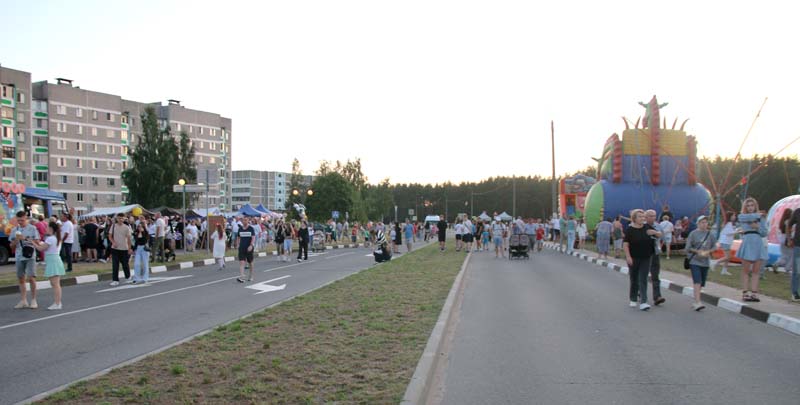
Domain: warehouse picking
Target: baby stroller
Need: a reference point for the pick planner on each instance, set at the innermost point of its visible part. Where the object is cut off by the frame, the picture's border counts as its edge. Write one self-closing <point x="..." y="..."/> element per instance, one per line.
<point x="518" y="246"/>
<point x="318" y="242"/>
<point x="382" y="253"/>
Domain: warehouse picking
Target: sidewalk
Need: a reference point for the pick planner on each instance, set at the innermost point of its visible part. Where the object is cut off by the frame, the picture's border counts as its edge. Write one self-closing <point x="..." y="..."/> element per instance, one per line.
<point x="732" y="296"/>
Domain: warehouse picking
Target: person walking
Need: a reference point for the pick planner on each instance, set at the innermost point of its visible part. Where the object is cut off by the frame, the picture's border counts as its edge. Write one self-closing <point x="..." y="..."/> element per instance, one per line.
<point x="91" y="239"/>
<point x="141" y="259"/>
<point x="459" y="230"/>
<point x="54" y="267"/>
<point x="639" y="247"/>
<point x="244" y="239"/>
<point x="218" y="240"/>
<point x="25" y="235"/>
<point x="119" y="235"/>
<point x="302" y="241"/>
<point x="582" y="233"/>
<point x="726" y="236"/>
<point x="655" y="262"/>
<point x="191" y="236"/>
<point x="793" y="238"/>
<point x="530" y="231"/>
<point x="498" y="235"/>
<point x="398" y="237"/>
<point x="753" y="228"/>
<point x="617" y="235"/>
<point x="572" y="227"/>
<point x="409" y="234"/>
<point x="280" y="236"/>
<point x="699" y="245"/>
<point x="441" y="232"/>
<point x="784" y="234"/>
<point x="67" y="237"/>
<point x="603" y="236"/>
<point x="161" y="232"/>
<point x="287" y="241"/>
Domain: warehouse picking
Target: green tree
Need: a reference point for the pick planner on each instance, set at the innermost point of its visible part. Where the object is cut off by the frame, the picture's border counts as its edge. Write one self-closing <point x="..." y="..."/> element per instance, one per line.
<point x="153" y="167"/>
<point x="332" y="192"/>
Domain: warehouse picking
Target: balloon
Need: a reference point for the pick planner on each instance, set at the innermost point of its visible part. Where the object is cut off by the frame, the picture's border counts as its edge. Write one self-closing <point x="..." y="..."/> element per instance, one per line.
<point x="136" y="211"/>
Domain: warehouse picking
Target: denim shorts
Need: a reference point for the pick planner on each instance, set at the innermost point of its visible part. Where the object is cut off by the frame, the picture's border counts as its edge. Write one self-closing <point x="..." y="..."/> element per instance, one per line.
<point x="26" y="267"/>
<point x="699" y="274"/>
<point x="725" y="246"/>
<point x="498" y="240"/>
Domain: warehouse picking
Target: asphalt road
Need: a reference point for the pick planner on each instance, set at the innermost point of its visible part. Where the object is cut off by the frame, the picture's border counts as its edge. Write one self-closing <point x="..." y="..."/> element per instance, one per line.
<point x="556" y="330"/>
<point x="101" y="326"/>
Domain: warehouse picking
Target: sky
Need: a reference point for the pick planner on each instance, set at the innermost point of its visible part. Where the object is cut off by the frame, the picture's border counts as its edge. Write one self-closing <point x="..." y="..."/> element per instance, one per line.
<point x="430" y="91"/>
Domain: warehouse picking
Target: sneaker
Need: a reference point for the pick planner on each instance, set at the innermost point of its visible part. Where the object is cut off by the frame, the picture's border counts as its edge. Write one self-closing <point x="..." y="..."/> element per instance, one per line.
<point x="725" y="272"/>
<point x="299" y="260"/>
<point x="698" y="306"/>
<point x="134" y="282"/>
<point x="795" y="297"/>
<point x="250" y="279"/>
<point x="114" y="283"/>
<point x="54" y="307"/>
<point x="128" y="279"/>
<point x="239" y="279"/>
<point x="34" y="305"/>
<point x="659" y="301"/>
<point x="713" y="265"/>
<point x="103" y="261"/>
<point x="644" y="306"/>
<point x="632" y="304"/>
<point x="21" y="305"/>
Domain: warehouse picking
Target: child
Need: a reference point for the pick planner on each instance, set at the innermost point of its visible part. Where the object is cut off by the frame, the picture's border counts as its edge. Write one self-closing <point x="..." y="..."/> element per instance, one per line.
<point x="485" y="238"/>
<point x="54" y="268"/>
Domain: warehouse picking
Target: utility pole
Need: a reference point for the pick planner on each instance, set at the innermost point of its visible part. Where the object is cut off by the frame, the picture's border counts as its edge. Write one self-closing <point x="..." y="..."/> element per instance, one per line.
<point x="208" y="228"/>
<point x="514" y="196"/>
<point x="471" y="203"/>
<point x="553" y="158"/>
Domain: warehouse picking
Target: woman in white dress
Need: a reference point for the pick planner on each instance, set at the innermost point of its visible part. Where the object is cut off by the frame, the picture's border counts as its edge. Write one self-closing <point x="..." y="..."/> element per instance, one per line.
<point x="218" y="240"/>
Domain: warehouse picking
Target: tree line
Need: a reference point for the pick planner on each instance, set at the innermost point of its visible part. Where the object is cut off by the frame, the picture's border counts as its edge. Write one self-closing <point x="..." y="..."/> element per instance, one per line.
<point x="343" y="187"/>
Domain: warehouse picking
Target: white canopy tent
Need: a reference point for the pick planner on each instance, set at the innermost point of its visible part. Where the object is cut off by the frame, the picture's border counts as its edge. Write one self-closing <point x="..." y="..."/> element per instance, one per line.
<point x="484" y="217"/>
<point x="505" y="217"/>
<point x="125" y="209"/>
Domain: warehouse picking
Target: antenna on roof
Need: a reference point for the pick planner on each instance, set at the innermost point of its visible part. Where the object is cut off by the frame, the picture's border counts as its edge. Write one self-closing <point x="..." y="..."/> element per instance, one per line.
<point x="174" y="102"/>
<point x="61" y="80"/>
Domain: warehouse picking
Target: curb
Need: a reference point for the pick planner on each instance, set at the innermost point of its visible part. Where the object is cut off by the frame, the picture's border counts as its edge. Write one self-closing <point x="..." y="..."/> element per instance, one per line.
<point x="418" y="389"/>
<point x="94" y="278"/>
<point x="784" y="322"/>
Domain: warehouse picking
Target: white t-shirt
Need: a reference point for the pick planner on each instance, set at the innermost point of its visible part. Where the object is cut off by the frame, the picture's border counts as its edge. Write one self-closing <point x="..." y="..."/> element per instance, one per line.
<point x="556" y="224"/>
<point x="459" y="229"/>
<point x="192" y="230"/>
<point x="161" y="228"/>
<point x="582" y="231"/>
<point x="667" y="227"/>
<point x="497" y="229"/>
<point x="52" y="245"/>
<point x="726" y="236"/>
<point x="67" y="228"/>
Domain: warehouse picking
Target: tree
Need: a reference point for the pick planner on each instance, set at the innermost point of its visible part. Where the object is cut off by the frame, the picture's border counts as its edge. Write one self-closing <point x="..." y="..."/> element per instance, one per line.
<point x="332" y="192"/>
<point x="153" y="169"/>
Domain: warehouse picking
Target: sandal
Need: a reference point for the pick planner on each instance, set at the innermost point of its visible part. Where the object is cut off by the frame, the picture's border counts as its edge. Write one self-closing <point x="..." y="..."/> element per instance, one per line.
<point x="754" y="297"/>
<point x="746" y="296"/>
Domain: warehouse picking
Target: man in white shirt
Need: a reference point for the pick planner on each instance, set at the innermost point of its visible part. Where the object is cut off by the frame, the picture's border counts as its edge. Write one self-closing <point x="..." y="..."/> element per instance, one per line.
<point x="67" y="238"/>
<point x="467" y="236"/>
<point x="555" y="226"/>
<point x="498" y="235"/>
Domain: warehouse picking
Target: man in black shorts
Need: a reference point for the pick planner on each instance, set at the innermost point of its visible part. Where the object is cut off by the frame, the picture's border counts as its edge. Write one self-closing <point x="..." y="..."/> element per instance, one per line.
<point x="442" y="225"/>
<point x="244" y="238"/>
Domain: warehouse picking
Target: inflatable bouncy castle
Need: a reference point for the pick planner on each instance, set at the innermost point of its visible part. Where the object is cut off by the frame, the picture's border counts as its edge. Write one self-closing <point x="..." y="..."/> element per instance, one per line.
<point x="572" y="193"/>
<point x="649" y="167"/>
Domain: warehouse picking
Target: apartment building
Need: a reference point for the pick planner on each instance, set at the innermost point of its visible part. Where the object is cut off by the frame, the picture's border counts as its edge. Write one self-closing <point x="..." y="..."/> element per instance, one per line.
<point x="15" y="125"/>
<point x="76" y="141"/>
<point x="272" y="189"/>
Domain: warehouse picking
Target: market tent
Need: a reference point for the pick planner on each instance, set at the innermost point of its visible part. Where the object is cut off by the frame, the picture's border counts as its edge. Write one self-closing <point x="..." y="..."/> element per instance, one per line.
<point x="125" y="209"/>
<point x="484" y="217"/>
<point x="166" y="211"/>
<point x="263" y="209"/>
<point x="201" y="212"/>
<point x="247" y="210"/>
<point x="505" y="217"/>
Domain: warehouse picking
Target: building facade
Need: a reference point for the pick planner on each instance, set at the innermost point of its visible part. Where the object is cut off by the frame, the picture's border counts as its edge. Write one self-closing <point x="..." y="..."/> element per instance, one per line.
<point x="272" y="189"/>
<point x="76" y="141"/>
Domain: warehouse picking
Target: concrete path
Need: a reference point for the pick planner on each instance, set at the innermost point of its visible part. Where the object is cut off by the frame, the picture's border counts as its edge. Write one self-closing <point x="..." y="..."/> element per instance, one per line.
<point x="556" y="330"/>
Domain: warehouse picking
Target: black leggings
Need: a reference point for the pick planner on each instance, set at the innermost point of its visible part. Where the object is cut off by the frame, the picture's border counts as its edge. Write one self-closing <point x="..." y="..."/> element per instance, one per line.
<point x="302" y="251"/>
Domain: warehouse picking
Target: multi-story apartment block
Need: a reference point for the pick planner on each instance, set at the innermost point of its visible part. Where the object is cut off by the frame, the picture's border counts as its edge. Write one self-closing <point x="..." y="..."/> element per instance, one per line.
<point x="262" y="187"/>
<point x="15" y="125"/>
<point x="76" y="141"/>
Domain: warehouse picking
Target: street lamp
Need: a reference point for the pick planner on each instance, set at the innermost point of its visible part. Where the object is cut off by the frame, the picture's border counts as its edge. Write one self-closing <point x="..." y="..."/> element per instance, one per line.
<point x="182" y="183"/>
<point x="300" y="206"/>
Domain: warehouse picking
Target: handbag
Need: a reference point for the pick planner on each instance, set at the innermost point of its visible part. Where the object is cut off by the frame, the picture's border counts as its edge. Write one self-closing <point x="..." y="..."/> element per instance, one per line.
<point x="686" y="260"/>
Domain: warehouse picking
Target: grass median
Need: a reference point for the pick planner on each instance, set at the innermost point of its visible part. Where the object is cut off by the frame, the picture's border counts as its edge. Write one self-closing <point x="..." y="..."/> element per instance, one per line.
<point x="357" y="340"/>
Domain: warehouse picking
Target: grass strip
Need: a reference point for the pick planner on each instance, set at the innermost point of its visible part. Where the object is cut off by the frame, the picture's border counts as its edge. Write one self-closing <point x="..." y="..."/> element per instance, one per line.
<point x="357" y="340"/>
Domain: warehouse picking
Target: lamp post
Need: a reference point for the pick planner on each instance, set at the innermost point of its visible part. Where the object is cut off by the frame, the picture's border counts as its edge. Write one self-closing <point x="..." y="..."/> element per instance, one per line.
<point x="296" y="192"/>
<point x="182" y="183"/>
<point x="395" y="214"/>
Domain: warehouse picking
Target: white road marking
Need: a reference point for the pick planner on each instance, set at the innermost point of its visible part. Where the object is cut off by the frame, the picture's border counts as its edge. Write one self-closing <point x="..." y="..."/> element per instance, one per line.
<point x="264" y="286"/>
<point x="153" y="280"/>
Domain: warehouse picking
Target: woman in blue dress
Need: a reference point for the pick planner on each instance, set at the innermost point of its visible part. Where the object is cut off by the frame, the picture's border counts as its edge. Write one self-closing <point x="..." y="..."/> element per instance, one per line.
<point x="752" y="227"/>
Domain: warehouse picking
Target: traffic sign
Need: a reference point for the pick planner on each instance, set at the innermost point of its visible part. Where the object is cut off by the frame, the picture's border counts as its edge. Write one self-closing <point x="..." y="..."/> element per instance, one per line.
<point x="335" y="214"/>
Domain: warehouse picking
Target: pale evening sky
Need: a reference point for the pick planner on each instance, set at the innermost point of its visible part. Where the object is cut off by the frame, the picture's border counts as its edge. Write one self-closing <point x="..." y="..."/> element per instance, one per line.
<point x="430" y="91"/>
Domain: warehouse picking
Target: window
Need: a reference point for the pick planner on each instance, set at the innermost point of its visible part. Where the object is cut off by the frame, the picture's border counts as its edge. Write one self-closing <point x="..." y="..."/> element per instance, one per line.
<point x="21" y="155"/>
<point x="62" y="144"/>
<point x="20" y="137"/>
<point x="8" y="171"/>
<point x="212" y="160"/>
<point x="110" y="149"/>
<point x="191" y="128"/>
<point x="94" y="181"/>
<point x="8" y="132"/>
<point x="23" y="175"/>
<point x="111" y="165"/>
<point x="178" y="126"/>
<point x="95" y="198"/>
<point x="79" y="163"/>
<point x="94" y="131"/>
<point x="61" y="127"/>
<point x="79" y="112"/>
<point x="133" y="121"/>
<point x="62" y="180"/>
<point x="20" y="97"/>
<point x="40" y="141"/>
<point x="110" y="117"/>
<point x="133" y="138"/>
<point x="201" y="130"/>
<point x="200" y="159"/>
<point x="4" y="90"/>
<point x="123" y="150"/>
<point x="62" y="162"/>
<point x="94" y="114"/>
<point x="80" y="129"/>
<point x="110" y="182"/>
<point x="61" y="110"/>
<point x="112" y="198"/>
<point x="94" y="164"/>
<point x="212" y="145"/>
<point x="40" y="176"/>
<point x="20" y="117"/>
<point x="124" y="165"/>
<point x="78" y="146"/>
<point x="79" y="180"/>
<point x="94" y="147"/>
<point x="39" y="158"/>
<point x="40" y="123"/>
<point x="123" y="134"/>
<point x="9" y="152"/>
<point x="79" y="197"/>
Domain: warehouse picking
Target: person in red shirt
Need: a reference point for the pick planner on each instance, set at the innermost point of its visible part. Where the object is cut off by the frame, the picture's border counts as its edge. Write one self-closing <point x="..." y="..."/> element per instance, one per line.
<point x="539" y="235"/>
